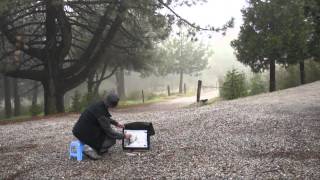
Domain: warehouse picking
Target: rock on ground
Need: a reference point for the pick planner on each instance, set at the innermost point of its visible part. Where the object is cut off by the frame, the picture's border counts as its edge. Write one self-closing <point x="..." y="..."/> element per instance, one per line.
<point x="269" y="136"/>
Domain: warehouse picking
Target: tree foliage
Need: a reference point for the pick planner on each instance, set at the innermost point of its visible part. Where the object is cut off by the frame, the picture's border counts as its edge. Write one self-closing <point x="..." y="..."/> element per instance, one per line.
<point x="274" y="31"/>
<point x="312" y="12"/>
<point x="183" y="55"/>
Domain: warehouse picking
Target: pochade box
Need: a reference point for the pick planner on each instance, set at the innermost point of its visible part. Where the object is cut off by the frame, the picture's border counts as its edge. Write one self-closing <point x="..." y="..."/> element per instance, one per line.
<point x="141" y="132"/>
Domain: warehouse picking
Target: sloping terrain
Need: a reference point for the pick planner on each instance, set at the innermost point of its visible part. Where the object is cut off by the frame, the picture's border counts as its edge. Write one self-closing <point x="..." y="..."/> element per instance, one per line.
<point x="274" y="135"/>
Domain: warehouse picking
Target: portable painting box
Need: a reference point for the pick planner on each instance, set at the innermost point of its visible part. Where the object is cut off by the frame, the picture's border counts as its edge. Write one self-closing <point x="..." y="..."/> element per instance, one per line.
<point x="141" y="132"/>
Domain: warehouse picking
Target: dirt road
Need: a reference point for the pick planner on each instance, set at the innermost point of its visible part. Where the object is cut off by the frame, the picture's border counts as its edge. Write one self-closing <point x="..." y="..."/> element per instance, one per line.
<point x="169" y="105"/>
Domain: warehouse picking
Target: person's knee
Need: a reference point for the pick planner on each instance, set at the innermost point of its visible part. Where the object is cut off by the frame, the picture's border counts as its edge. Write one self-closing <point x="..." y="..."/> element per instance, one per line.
<point x="109" y="142"/>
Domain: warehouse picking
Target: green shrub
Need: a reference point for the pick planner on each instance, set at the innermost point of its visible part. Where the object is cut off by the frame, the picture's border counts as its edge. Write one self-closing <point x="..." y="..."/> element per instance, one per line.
<point x="257" y="85"/>
<point x="234" y="85"/>
<point x="35" y="110"/>
<point x="151" y="95"/>
<point x="76" y="105"/>
<point x="288" y="77"/>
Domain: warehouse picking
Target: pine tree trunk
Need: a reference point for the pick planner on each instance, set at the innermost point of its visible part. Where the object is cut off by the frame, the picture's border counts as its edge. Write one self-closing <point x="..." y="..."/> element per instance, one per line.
<point x="272" y="86"/>
<point x="17" y="103"/>
<point x="35" y="93"/>
<point x="50" y="100"/>
<point x="120" y="83"/>
<point x="96" y="89"/>
<point x="90" y="84"/>
<point x="7" y="96"/>
<point x="302" y="72"/>
<point x="53" y="100"/>
<point x="60" y="102"/>
<point x="1" y="88"/>
<point x="181" y="81"/>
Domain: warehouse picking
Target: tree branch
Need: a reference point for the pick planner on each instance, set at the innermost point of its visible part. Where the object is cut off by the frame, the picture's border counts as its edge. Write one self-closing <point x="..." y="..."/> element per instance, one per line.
<point x="11" y="36"/>
<point x="27" y="74"/>
<point x="73" y="22"/>
<point x="92" y="60"/>
<point x="24" y="16"/>
<point x="88" y="2"/>
<point x="6" y="54"/>
<point x="224" y="28"/>
<point x="109" y="75"/>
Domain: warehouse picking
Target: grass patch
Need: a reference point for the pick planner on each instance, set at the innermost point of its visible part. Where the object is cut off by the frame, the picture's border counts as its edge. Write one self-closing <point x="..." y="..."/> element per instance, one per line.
<point x="17" y="119"/>
<point x="25" y="118"/>
<point x="150" y="100"/>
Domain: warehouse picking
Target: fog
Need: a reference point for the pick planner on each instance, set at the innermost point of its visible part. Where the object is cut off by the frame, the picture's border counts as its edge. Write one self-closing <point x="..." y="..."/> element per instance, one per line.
<point x="214" y="12"/>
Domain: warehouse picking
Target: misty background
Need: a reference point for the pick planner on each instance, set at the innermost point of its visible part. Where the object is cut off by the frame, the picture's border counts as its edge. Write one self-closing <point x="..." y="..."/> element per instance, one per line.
<point x="215" y="13"/>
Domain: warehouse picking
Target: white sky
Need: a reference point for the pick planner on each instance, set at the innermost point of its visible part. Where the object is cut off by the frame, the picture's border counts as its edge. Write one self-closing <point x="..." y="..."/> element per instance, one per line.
<point x="214" y="12"/>
<point x="217" y="13"/>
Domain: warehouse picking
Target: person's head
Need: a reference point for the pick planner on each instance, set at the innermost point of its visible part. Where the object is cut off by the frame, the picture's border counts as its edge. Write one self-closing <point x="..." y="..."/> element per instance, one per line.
<point x="111" y="100"/>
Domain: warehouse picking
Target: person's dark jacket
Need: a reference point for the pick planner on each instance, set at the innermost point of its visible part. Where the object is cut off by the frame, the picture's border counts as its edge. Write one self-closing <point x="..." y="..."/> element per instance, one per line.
<point x="93" y="126"/>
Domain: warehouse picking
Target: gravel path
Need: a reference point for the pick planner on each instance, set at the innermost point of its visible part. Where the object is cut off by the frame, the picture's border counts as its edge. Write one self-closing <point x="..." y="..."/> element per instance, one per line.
<point x="270" y="136"/>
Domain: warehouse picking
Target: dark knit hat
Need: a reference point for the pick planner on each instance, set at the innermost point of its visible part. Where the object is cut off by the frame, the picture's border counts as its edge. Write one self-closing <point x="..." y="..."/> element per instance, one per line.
<point x="111" y="100"/>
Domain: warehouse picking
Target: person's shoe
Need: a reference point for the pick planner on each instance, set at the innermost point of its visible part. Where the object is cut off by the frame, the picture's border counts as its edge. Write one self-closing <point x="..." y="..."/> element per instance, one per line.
<point x="92" y="154"/>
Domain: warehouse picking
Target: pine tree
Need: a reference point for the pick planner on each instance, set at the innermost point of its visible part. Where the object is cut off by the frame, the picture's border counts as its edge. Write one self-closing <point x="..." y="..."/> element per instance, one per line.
<point x="234" y="85"/>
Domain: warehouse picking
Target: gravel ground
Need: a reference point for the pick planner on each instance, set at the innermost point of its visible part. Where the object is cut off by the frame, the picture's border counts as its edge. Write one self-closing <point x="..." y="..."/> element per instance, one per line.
<point x="270" y="136"/>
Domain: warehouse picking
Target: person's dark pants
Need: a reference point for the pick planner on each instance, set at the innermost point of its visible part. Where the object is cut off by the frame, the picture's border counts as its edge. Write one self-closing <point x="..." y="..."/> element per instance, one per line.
<point x="108" y="142"/>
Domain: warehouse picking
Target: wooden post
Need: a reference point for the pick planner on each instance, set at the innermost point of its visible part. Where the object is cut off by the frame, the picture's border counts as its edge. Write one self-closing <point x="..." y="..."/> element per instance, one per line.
<point x="185" y="88"/>
<point x="7" y="96"/>
<point x="142" y="97"/>
<point x="199" y="90"/>
<point x="168" y="88"/>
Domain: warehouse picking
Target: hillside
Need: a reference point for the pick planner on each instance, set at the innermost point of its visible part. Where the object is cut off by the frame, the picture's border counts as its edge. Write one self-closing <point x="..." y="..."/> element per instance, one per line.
<point x="274" y="135"/>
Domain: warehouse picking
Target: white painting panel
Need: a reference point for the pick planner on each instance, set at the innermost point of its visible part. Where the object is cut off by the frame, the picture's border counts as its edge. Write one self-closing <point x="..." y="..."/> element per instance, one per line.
<point x="139" y="139"/>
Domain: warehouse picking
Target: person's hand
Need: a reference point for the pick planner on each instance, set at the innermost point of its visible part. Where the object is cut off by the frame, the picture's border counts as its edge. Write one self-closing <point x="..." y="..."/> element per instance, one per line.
<point x="127" y="136"/>
<point x="120" y="126"/>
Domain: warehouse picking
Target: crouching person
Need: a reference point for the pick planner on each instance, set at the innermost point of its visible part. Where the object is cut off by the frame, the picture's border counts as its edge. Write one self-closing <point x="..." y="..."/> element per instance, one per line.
<point x="94" y="128"/>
